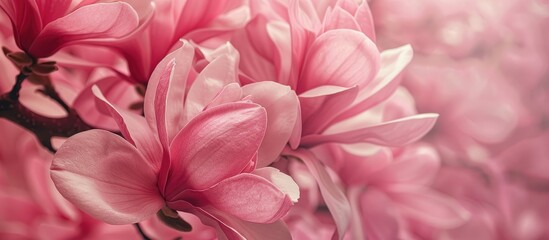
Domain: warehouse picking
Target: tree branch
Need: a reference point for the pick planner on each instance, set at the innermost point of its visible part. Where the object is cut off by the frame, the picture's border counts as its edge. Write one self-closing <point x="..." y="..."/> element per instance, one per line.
<point x="44" y="128"/>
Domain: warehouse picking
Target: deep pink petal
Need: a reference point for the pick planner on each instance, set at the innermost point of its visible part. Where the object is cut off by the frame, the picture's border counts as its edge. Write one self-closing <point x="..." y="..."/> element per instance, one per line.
<point x="105" y="176"/>
<point x="25" y="20"/>
<point x="339" y="57"/>
<point x="85" y="24"/>
<point x="393" y="133"/>
<point x="282" y="108"/>
<point x="217" y="144"/>
<point x="247" y="196"/>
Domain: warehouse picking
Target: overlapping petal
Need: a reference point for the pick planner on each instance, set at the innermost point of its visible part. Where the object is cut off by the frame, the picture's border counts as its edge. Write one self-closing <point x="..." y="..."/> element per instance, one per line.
<point x="215" y="145"/>
<point x="112" y="182"/>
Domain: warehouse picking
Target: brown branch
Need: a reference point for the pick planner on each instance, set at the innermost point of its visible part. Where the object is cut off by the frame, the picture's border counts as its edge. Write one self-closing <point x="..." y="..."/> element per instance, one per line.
<point x="44" y="128"/>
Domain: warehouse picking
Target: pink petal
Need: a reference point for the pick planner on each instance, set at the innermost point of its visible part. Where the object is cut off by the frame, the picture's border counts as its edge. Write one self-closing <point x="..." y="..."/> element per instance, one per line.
<point x="284" y="182"/>
<point x="207" y="85"/>
<point x="322" y="104"/>
<point x="364" y="18"/>
<point x="230" y="227"/>
<point x="333" y="196"/>
<point x="105" y="176"/>
<point x="25" y="19"/>
<point x="339" y="57"/>
<point x="282" y="108"/>
<point x="165" y="91"/>
<point x="394" y="133"/>
<point x="339" y="19"/>
<point x="134" y="128"/>
<point x="386" y="82"/>
<point x="52" y="9"/>
<point x="120" y="92"/>
<point x="248" y="197"/>
<point x="85" y="24"/>
<point x="417" y="165"/>
<point x="217" y="144"/>
<point x="378" y="219"/>
<point x="430" y="207"/>
<point x="249" y="230"/>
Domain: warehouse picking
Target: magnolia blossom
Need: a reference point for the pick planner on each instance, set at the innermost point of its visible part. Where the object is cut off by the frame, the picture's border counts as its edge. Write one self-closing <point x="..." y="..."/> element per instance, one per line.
<point x="207" y="167"/>
<point x="41" y="28"/>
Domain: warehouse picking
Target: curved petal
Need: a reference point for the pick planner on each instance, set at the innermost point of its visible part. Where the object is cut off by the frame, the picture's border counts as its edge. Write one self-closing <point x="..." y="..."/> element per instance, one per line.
<point x="394" y="133"/>
<point x="282" y="108"/>
<point x="335" y="199"/>
<point x="386" y="82"/>
<point x="165" y="91"/>
<point x="321" y="107"/>
<point x="134" y="128"/>
<point x="105" y="176"/>
<point x="217" y="144"/>
<point x="86" y="23"/>
<point x="430" y="207"/>
<point x="246" y="196"/>
<point x="284" y="182"/>
<point x="416" y="165"/>
<point x="25" y="21"/>
<point x="339" y="57"/>
<point x="216" y="75"/>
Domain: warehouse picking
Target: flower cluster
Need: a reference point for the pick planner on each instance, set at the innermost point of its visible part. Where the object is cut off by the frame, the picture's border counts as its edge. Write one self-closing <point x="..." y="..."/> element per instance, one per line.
<point x="274" y="119"/>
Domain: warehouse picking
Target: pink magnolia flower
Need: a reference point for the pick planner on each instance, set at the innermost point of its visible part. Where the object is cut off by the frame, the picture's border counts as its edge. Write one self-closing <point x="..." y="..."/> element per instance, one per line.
<point x="169" y="21"/>
<point x="41" y="27"/>
<point x="204" y="165"/>
<point x="326" y="55"/>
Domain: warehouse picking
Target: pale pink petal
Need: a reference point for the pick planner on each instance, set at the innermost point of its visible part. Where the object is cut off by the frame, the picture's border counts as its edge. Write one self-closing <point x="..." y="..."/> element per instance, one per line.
<point x="111" y="182"/>
<point x="364" y="18"/>
<point x="339" y="19"/>
<point x="217" y="74"/>
<point x="230" y="93"/>
<point x="282" y="108"/>
<point x="394" y="133"/>
<point x="386" y="82"/>
<point x="339" y="57"/>
<point x="378" y="220"/>
<point x="246" y="196"/>
<point x="134" y="128"/>
<point x="417" y="165"/>
<point x="217" y="144"/>
<point x="118" y="91"/>
<point x="321" y="107"/>
<point x="284" y="182"/>
<point x="333" y="196"/>
<point x="428" y="206"/>
<point x="85" y="24"/>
